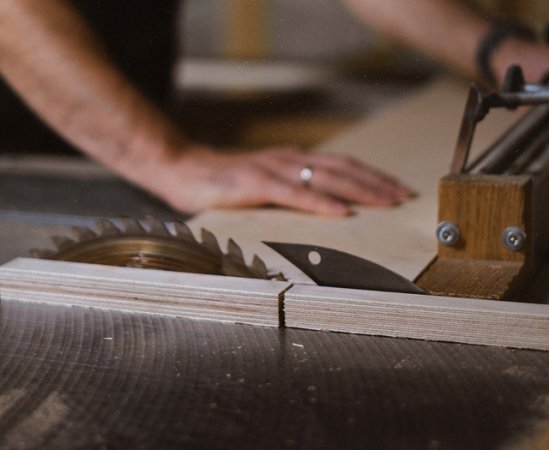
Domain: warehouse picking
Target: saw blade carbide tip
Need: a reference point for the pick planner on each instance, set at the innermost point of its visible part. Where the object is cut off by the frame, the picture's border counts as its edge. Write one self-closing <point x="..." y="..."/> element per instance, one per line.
<point x="183" y="231"/>
<point x="210" y="241"/>
<point x="279" y="276"/>
<point x="235" y="250"/>
<point x="259" y="266"/>
<point x="157" y="227"/>
<point x="107" y="228"/>
<point x="232" y="267"/>
<point x="62" y="242"/>
<point x="83" y="234"/>
<point x="132" y="226"/>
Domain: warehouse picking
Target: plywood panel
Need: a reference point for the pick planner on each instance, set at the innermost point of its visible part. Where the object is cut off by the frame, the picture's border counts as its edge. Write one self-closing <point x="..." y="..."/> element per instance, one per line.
<point x="273" y="303"/>
<point x="225" y="299"/>
<point x="485" y="322"/>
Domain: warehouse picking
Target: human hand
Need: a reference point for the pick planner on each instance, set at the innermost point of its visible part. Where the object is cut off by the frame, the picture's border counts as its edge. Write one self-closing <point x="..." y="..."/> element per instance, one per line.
<point x="532" y="57"/>
<point x="202" y="178"/>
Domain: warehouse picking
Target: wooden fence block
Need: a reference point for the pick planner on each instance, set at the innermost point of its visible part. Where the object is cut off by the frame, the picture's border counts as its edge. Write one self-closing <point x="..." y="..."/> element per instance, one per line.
<point x="479" y="265"/>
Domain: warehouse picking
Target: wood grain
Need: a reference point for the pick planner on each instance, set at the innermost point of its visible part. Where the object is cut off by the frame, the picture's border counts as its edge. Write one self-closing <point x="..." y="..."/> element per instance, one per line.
<point x="469" y="321"/>
<point x="479" y="265"/>
<point x="273" y="303"/>
<point x="226" y="299"/>
<point x="483" y="206"/>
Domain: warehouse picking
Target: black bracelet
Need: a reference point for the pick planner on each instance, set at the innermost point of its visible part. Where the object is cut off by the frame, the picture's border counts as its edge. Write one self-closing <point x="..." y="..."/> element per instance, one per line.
<point x="493" y="39"/>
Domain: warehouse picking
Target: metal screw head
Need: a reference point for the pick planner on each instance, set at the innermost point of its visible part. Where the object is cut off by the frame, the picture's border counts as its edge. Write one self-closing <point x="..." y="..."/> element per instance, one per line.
<point x="448" y="233"/>
<point x="513" y="238"/>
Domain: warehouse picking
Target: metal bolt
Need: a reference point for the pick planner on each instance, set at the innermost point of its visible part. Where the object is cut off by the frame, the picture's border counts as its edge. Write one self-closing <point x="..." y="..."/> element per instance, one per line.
<point x="513" y="238"/>
<point x="448" y="233"/>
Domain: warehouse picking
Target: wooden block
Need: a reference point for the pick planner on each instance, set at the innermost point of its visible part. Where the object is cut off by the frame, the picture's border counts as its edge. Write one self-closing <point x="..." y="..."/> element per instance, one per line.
<point x="197" y="296"/>
<point x="506" y="324"/>
<point x="483" y="206"/>
<point x="479" y="265"/>
<point x="474" y="279"/>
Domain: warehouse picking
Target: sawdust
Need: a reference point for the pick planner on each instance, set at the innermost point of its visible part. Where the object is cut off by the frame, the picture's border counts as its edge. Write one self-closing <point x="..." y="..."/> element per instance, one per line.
<point x="537" y="438"/>
<point x="34" y="429"/>
<point x="8" y="400"/>
<point x="524" y="373"/>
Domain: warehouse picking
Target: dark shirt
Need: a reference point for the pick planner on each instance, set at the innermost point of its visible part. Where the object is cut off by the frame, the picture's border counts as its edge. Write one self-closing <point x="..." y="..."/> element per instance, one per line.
<point x="139" y="38"/>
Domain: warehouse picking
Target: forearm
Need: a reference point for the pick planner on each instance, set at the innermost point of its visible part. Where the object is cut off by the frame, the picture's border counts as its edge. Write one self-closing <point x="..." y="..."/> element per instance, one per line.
<point x="53" y="61"/>
<point x="48" y="55"/>
<point x="449" y="32"/>
<point x="442" y="29"/>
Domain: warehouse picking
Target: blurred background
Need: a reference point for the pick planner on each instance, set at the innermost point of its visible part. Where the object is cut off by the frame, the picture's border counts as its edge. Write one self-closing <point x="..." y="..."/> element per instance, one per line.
<point x="263" y="72"/>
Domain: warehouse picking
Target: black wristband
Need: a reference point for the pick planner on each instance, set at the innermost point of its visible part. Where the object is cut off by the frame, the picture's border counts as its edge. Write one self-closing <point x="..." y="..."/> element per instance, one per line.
<point x="493" y="39"/>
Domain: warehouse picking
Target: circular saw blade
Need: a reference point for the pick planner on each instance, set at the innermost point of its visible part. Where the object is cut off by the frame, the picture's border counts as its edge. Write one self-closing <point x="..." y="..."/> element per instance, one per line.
<point x="154" y="247"/>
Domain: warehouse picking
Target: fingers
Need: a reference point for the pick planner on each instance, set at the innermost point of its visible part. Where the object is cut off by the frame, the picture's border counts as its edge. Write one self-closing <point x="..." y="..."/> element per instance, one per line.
<point x="365" y="174"/>
<point x="271" y="177"/>
<point x="263" y="188"/>
<point x="341" y="177"/>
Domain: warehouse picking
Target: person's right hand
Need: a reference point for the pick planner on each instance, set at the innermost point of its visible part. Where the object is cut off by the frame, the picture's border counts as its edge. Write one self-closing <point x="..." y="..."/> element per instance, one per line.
<point x="532" y="57"/>
<point x="202" y="178"/>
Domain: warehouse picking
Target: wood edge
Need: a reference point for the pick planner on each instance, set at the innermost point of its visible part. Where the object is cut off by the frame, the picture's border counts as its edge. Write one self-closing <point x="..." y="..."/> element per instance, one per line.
<point x="289" y="293"/>
<point x="440" y="319"/>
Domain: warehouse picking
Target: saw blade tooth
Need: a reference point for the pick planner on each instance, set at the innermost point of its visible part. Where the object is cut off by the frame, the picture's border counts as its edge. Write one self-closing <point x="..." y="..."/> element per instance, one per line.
<point x="84" y="234"/>
<point x="157" y="227"/>
<point x="41" y="253"/>
<point x="107" y="228"/>
<point x="259" y="266"/>
<point x="235" y="251"/>
<point x="62" y="242"/>
<point x="232" y="267"/>
<point x="132" y="226"/>
<point x="279" y="276"/>
<point x="183" y="231"/>
<point x="210" y="241"/>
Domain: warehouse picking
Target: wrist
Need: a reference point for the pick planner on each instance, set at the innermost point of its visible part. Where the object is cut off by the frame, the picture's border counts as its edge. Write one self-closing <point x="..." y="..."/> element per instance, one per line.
<point x="533" y="58"/>
<point x="498" y="37"/>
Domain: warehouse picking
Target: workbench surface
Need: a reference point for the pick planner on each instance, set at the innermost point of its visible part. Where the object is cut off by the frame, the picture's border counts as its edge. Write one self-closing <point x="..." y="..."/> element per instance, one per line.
<point x="72" y="377"/>
<point x="81" y="378"/>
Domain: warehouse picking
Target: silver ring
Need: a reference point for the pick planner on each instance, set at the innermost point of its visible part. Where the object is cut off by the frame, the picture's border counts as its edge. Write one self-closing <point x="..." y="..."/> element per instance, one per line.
<point x="306" y="175"/>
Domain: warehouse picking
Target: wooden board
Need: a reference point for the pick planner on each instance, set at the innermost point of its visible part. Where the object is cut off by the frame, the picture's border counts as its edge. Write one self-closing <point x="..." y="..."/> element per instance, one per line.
<point x="197" y="296"/>
<point x="484" y="322"/>
<point x="273" y="303"/>
<point x="414" y="141"/>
